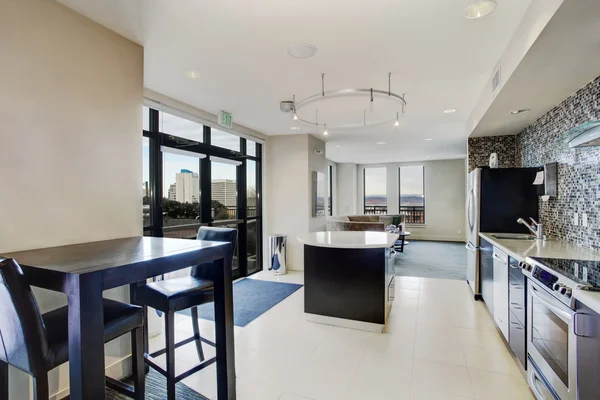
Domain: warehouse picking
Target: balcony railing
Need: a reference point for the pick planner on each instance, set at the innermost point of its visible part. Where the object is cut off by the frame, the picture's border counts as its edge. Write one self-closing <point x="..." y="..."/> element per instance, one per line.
<point x="413" y="214"/>
<point x="376" y="209"/>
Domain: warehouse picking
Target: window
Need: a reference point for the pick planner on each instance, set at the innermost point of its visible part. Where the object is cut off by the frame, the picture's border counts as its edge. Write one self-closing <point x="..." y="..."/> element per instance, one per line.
<point x="251" y="148"/>
<point x="181" y="127"/>
<point x="330" y="190"/>
<point x="146" y="181"/>
<point x="251" y="200"/>
<point x="223" y="191"/>
<point x="374" y="186"/>
<point x="225" y="140"/>
<point x="412" y="193"/>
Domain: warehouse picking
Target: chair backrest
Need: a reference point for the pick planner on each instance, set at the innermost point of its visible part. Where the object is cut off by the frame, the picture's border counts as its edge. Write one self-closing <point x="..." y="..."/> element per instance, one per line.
<point x="23" y="338"/>
<point x="215" y="235"/>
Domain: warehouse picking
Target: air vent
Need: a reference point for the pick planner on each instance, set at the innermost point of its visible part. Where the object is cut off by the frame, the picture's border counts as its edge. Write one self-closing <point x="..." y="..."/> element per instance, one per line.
<point x="496" y="80"/>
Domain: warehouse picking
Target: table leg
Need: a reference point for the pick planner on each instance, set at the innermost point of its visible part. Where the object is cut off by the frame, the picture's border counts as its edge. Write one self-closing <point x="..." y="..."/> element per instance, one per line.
<point x="224" y="329"/>
<point x="86" y="337"/>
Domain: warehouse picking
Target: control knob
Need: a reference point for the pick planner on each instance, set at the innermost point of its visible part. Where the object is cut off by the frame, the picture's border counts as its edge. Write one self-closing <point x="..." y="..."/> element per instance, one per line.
<point x="525" y="266"/>
<point x="557" y="287"/>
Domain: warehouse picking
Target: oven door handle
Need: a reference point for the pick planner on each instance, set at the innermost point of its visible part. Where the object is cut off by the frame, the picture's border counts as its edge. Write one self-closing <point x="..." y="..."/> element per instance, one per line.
<point x="564" y="315"/>
<point x="535" y="386"/>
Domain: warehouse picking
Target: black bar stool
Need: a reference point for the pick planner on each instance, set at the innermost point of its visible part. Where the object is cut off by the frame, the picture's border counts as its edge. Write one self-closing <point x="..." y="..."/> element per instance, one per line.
<point x="36" y="343"/>
<point x="172" y="295"/>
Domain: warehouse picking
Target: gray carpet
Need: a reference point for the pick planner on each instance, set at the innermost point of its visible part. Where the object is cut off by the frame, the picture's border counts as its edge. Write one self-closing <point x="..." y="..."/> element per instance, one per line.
<point x="445" y="260"/>
<point x="156" y="389"/>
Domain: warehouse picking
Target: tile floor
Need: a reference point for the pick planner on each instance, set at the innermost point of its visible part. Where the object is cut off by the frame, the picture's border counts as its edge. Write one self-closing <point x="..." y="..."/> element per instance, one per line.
<point x="439" y="345"/>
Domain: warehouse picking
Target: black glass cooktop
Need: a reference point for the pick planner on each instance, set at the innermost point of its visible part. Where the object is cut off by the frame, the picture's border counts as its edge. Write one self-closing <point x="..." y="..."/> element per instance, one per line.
<point x="581" y="271"/>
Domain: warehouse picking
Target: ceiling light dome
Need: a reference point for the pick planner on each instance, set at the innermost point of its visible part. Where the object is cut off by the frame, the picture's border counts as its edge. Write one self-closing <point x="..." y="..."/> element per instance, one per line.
<point x="480" y="9"/>
<point x="302" y="50"/>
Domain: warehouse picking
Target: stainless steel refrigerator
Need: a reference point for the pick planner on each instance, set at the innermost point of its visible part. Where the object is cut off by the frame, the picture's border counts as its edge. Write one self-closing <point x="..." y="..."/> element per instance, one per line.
<point x="496" y="198"/>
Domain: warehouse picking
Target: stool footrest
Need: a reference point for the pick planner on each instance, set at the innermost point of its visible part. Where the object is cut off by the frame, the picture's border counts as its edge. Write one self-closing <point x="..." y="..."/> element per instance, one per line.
<point x="182" y="343"/>
<point x="120" y="387"/>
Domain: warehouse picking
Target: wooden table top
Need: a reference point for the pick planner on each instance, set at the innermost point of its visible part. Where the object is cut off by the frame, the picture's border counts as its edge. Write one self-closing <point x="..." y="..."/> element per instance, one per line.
<point x="97" y="256"/>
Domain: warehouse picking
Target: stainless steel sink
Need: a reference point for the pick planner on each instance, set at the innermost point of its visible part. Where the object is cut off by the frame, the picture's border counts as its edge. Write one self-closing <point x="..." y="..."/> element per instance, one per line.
<point x="513" y="236"/>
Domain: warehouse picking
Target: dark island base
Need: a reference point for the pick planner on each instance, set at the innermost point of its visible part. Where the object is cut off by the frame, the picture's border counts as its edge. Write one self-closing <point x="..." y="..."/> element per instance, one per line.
<point x="348" y="287"/>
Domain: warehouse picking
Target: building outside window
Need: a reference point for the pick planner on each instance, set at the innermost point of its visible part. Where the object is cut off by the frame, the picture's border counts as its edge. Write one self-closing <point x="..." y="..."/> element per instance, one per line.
<point x="374" y="185"/>
<point x="412" y="193"/>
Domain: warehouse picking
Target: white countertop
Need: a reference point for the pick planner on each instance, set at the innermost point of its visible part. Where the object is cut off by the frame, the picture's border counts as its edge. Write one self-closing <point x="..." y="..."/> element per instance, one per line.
<point x="520" y="249"/>
<point x="348" y="240"/>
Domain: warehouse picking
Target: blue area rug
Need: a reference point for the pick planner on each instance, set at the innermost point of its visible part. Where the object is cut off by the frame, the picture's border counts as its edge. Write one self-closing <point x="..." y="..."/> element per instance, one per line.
<point x="251" y="299"/>
<point x="445" y="260"/>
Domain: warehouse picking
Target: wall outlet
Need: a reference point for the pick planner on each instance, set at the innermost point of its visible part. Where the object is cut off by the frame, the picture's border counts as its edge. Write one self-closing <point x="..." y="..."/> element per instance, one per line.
<point x="575" y="219"/>
<point x="584" y="220"/>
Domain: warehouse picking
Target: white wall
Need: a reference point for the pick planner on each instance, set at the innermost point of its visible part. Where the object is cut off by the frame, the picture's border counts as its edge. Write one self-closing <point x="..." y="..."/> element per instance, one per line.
<point x="347" y="189"/>
<point x="444" y="198"/>
<point x="290" y="160"/>
<point x="71" y="114"/>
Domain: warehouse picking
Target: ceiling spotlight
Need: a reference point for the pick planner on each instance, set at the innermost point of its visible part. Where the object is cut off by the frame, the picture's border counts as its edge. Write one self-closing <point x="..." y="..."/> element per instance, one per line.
<point x="295" y="117"/>
<point x="338" y="146"/>
<point x="397" y="121"/>
<point x="429" y="139"/>
<point x="193" y="74"/>
<point x="450" y="111"/>
<point x="380" y="142"/>
<point x="325" y="133"/>
<point x="480" y="9"/>
<point x="302" y="50"/>
<point x="521" y="111"/>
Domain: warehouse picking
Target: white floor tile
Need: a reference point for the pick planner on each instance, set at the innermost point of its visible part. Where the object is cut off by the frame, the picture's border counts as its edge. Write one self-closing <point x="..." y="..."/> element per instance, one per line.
<point x="376" y="387"/>
<point x="493" y="360"/>
<point x="493" y="386"/>
<point x="446" y="351"/>
<point x="444" y="378"/>
<point x="321" y="383"/>
<point x="426" y="393"/>
<point x="389" y="367"/>
<point x="291" y="396"/>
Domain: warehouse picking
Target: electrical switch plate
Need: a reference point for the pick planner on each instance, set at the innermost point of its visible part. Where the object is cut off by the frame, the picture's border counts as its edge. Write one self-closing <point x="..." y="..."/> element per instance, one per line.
<point x="575" y="219"/>
<point x="584" y="220"/>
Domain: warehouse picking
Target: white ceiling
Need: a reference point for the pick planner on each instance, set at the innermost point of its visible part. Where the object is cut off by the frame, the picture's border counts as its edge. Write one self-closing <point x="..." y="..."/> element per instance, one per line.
<point x="437" y="57"/>
<point x="565" y="57"/>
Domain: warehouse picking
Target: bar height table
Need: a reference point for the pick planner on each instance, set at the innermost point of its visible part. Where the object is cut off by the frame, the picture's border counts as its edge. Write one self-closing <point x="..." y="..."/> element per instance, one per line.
<point x="83" y="271"/>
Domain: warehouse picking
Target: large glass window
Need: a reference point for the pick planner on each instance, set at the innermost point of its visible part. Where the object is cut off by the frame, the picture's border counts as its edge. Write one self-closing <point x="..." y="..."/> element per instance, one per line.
<point x="412" y="193"/>
<point x="375" y="190"/>
<point x="146" y="181"/>
<point x="225" y="140"/>
<point x="181" y="196"/>
<point x="181" y="127"/>
<point x="251" y="148"/>
<point x="223" y="191"/>
<point x="330" y="190"/>
<point x="251" y="194"/>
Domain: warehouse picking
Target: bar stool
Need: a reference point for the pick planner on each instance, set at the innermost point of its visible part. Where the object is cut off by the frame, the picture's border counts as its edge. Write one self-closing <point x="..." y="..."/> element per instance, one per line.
<point x="36" y="343"/>
<point x="172" y="295"/>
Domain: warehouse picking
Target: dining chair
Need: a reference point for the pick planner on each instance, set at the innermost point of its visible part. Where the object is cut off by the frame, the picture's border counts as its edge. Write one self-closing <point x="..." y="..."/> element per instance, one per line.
<point x="37" y="343"/>
<point x="173" y="295"/>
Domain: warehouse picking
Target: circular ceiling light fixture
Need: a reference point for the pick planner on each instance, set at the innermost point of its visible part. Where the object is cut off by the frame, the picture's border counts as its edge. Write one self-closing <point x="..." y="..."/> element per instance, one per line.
<point x="480" y="9"/>
<point x="372" y="94"/>
<point x="193" y="74"/>
<point x="521" y="111"/>
<point x="380" y="142"/>
<point x="450" y="111"/>
<point x="302" y="50"/>
<point x="429" y="139"/>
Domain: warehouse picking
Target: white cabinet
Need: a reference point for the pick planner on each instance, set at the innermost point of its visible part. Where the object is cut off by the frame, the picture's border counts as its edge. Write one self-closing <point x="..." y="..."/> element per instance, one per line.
<point x="501" y="291"/>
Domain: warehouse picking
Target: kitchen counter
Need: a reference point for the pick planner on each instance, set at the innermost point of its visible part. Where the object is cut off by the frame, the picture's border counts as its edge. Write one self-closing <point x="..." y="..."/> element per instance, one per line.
<point x="521" y="249"/>
<point x="349" y="240"/>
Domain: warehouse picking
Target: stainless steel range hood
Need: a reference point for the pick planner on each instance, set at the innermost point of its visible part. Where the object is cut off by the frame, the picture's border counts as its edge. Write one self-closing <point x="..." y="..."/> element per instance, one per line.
<point x="584" y="135"/>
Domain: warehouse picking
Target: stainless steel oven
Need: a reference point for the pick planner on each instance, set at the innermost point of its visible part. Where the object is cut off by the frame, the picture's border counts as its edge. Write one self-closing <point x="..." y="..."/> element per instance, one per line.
<point x="550" y="345"/>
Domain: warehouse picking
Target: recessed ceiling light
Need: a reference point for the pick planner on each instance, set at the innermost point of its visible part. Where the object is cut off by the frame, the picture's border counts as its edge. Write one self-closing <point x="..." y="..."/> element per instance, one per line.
<point x="450" y="111"/>
<point x="338" y="146"/>
<point x="193" y="74"/>
<point x="521" y="111"/>
<point x="429" y="139"/>
<point x="480" y="9"/>
<point x="380" y="142"/>
<point x="302" y="50"/>
<point x="428" y="156"/>
<point x="295" y="128"/>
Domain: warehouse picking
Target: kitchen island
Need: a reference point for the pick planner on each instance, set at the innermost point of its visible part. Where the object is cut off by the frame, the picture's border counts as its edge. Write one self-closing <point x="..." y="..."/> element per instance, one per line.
<point x="349" y="278"/>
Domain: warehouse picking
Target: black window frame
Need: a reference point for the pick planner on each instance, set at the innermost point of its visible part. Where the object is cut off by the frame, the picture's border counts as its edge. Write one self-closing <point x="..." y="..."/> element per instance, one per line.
<point x="158" y="139"/>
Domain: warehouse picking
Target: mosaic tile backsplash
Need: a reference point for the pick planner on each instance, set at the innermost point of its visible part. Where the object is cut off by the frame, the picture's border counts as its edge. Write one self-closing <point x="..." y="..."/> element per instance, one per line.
<point x="480" y="149"/>
<point x="578" y="169"/>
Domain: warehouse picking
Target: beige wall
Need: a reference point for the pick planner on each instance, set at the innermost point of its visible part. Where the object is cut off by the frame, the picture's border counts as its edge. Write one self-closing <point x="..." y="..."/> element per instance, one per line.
<point x="347" y="189"/>
<point x="444" y="198"/>
<point x="70" y="106"/>
<point x="290" y="160"/>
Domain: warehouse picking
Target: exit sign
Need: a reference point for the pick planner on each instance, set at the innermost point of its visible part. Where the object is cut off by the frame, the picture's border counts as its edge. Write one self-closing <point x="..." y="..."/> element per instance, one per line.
<point x="225" y="119"/>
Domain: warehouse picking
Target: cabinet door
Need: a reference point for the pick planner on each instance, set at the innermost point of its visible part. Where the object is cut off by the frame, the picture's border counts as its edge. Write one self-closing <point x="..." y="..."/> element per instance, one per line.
<point x="501" y="291"/>
<point x="486" y="266"/>
<point x="587" y="329"/>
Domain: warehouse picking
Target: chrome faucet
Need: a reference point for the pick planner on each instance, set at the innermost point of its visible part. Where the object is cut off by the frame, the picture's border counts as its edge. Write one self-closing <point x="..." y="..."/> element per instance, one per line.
<point x="536" y="228"/>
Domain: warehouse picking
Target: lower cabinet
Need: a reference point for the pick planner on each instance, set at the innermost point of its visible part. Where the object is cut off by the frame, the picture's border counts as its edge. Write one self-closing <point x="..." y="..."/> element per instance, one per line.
<point x="486" y="271"/>
<point x="500" y="262"/>
<point x="517" y="312"/>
